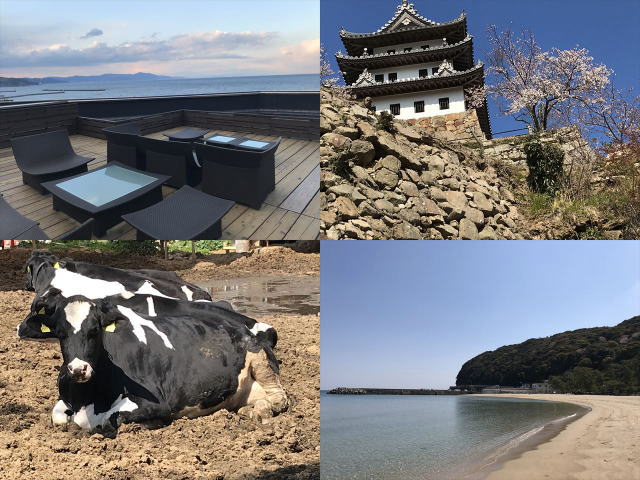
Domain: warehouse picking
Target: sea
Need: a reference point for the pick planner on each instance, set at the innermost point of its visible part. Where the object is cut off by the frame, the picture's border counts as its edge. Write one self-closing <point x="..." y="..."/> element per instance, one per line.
<point x="173" y="86"/>
<point x="430" y="437"/>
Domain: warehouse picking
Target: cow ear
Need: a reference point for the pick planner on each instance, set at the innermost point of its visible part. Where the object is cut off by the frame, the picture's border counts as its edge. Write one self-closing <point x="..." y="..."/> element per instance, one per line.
<point x="108" y="315"/>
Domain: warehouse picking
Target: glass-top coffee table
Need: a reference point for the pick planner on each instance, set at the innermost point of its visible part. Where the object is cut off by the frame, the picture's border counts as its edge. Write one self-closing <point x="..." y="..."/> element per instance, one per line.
<point x="106" y="194"/>
<point x="241" y="143"/>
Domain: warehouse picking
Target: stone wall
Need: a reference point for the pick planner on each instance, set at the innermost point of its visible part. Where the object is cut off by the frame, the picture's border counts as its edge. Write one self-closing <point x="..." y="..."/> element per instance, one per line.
<point x="512" y="148"/>
<point x="453" y="126"/>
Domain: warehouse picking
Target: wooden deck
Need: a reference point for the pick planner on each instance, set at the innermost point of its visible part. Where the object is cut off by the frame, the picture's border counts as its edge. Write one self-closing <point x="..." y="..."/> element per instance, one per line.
<point x="290" y="212"/>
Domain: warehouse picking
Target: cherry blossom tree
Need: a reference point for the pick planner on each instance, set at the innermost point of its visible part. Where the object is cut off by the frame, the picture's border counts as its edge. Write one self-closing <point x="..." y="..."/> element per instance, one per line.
<point x="536" y="86"/>
<point x="327" y="75"/>
<point x="616" y="116"/>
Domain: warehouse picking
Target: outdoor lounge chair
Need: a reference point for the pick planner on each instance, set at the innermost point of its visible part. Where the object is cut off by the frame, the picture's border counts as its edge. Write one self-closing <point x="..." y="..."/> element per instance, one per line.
<point x="122" y="145"/>
<point x="171" y="158"/>
<point x="243" y="176"/>
<point x="188" y="214"/>
<point x="14" y="226"/>
<point x="47" y="156"/>
<point x="84" y="231"/>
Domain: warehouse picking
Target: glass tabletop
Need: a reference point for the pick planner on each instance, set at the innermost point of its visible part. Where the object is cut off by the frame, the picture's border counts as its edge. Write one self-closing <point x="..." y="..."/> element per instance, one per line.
<point x="105" y="184"/>
<point x="254" y="144"/>
<point x="221" y="139"/>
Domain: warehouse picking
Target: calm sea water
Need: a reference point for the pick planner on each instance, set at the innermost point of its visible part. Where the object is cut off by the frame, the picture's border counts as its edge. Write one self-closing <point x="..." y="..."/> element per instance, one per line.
<point x="421" y="437"/>
<point x="186" y="86"/>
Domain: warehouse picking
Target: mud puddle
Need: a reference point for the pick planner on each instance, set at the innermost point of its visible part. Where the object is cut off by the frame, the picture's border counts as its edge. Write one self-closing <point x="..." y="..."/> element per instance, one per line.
<point x="267" y="295"/>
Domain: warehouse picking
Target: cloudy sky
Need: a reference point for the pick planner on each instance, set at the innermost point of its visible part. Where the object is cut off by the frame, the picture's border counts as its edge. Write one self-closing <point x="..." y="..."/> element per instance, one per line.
<point x="198" y="38"/>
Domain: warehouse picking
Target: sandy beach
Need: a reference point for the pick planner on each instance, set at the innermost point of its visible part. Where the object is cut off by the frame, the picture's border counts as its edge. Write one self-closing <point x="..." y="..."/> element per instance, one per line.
<point x="602" y="445"/>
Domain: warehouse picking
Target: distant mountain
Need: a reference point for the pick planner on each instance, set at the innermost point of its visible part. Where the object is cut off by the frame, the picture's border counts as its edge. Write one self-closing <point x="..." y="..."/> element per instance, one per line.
<point x="589" y="360"/>
<point x="106" y="77"/>
<point x="16" y="82"/>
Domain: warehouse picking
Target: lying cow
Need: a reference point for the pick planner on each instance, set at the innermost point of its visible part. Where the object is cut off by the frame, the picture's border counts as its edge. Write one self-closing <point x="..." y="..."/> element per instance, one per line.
<point x="45" y="270"/>
<point x="121" y="366"/>
<point x="38" y="325"/>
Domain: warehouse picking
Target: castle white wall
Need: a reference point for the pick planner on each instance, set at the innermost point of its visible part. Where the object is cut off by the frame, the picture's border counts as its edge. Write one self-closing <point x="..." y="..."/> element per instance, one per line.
<point x="405" y="72"/>
<point x="415" y="46"/>
<point x="431" y="103"/>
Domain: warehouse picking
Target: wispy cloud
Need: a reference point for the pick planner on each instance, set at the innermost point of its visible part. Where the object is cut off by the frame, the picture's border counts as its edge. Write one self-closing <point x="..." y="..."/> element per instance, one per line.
<point x="94" y="32"/>
<point x="204" y="45"/>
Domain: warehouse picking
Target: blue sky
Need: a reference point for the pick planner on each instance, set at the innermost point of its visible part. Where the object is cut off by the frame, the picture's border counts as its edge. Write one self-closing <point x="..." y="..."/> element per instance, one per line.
<point x="608" y="29"/>
<point x="409" y="314"/>
<point x="184" y="38"/>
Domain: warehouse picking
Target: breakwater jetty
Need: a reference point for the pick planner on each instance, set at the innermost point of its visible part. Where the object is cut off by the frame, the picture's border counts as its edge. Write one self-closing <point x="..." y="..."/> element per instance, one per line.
<point x="390" y="391"/>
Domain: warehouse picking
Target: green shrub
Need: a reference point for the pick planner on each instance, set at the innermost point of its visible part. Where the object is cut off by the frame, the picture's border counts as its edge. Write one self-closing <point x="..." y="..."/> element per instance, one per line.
<point x="385" y="122"/>
<point x="134" y="247"/>
<point x="202" y="246"/>
<point x="545" y="162"/>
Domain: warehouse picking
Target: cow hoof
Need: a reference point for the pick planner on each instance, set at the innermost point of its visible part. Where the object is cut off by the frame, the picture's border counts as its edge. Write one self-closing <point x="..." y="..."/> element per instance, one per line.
<point x="279" y="403"/>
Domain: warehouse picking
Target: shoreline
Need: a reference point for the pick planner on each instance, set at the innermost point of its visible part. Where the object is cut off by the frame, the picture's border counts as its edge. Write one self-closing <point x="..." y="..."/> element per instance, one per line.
<point x="598" y="445"/>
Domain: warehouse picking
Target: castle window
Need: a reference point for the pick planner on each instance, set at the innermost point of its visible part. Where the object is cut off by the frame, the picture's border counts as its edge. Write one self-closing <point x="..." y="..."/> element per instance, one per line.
<point x="434" y="70"/>
<point x="393" y="77"/>
<point x="391" y="52"/>
<point x="425" y="47"/>
<point x="423" y="72"/>
<point x="444" y="103"/>
<point x="395" y="108"/>
<point x="408" y="49"/>
<point x="418" y="107"/>
<point x="380" y="78"/>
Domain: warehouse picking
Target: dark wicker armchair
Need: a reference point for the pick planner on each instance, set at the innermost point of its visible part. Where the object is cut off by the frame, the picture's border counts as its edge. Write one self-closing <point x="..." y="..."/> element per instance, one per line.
<point x="171" y="158"/>
<point x="244" y="176"/>
<point x="122" y="145"/>
<point x="45" y="157"/>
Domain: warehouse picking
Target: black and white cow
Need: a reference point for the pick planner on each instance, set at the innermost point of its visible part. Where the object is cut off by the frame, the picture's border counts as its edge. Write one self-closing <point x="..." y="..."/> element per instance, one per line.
<point x="45" y="270"/>
<point x="37" y="326"/>
<point x="121" y="366"/>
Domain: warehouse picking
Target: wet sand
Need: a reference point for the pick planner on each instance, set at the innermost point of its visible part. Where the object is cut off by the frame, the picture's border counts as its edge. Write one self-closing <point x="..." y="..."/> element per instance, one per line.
<point x="603" y="444"/>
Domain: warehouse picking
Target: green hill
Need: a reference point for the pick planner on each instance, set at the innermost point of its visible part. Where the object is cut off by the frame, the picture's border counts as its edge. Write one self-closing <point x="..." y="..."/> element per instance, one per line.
<point x="589" y="360"/>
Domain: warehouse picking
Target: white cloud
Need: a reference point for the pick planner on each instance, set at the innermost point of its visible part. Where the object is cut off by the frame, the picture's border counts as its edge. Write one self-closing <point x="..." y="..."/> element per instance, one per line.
<point x="204" y="45"/>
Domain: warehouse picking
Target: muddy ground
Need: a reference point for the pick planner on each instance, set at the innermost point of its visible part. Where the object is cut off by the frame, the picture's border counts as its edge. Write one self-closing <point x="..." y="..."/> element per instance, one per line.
<point x="219" y="446"/>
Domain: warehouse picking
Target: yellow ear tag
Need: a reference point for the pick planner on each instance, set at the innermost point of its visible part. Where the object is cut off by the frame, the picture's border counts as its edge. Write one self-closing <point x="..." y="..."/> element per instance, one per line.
<point x="41" y="311"/>
<point x="56" y="265"/>
<point x="44" y="328"/>
<point x="110" y="328"/>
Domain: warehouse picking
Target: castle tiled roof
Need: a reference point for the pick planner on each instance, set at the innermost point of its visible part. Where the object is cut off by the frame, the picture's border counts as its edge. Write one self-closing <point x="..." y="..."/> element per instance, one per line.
<point x="405" y="27"/>
<point x="461" y="53"/>
<point x="367" y="86"/>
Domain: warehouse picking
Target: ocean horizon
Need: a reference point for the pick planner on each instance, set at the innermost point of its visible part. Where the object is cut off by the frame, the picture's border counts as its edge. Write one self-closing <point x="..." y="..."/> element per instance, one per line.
<point x="431" y="437"/>
<point x="163" y="87"/>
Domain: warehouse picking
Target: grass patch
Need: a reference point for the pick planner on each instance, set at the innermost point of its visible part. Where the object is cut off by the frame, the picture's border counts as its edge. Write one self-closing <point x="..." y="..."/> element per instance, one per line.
<point x="539" y="203"/>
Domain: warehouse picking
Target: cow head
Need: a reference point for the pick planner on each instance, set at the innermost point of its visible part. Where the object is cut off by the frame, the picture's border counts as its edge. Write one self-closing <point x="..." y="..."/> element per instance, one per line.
<point x="40" y="270"/>
<point x="39" y="324"/>
<point x="78" y="323"/>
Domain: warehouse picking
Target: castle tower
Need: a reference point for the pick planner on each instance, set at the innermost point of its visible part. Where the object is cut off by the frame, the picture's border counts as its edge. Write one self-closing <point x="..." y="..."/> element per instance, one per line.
<point x="413" y="67"/>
